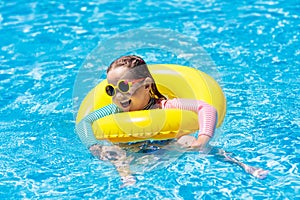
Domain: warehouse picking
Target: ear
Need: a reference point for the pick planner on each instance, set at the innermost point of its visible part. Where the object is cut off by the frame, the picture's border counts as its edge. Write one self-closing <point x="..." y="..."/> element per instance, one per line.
<point x="147" y="83"/>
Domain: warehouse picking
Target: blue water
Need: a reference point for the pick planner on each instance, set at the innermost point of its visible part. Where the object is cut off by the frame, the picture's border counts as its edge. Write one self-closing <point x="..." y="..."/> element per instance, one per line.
<point x="44" y="45"/>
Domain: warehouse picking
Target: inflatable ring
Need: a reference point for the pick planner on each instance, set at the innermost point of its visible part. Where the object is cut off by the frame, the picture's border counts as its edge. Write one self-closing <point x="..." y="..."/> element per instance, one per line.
<point x="173" y="81"/>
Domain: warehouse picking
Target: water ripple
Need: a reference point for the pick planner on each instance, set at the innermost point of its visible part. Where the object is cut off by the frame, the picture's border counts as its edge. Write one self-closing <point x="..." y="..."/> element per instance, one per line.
<point x="256" y="48"/>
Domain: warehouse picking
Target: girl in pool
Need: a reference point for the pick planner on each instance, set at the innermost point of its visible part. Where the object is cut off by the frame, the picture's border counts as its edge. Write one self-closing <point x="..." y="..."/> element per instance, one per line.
<point x="132" y="88"/>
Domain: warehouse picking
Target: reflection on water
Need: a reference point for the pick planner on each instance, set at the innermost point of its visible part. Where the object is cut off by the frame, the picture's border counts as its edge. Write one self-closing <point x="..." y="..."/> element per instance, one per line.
<point x="254" y="46"/>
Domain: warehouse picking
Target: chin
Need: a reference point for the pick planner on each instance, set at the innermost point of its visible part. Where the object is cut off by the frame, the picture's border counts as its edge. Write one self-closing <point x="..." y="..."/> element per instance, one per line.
<point x="124" y="109"/>
<point x="134" y="109"/>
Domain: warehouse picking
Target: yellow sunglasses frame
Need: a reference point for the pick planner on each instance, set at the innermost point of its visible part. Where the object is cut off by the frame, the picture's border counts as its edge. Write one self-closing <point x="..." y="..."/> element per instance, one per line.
<point x="129" y="83"/>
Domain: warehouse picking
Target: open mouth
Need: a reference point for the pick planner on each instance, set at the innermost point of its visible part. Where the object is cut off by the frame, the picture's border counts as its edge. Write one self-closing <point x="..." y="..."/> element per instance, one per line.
<point x="125" y="104"/>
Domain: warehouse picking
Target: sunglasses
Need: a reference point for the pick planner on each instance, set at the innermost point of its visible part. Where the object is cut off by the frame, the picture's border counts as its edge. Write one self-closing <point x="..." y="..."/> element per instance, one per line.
<point x="123" y="86"/>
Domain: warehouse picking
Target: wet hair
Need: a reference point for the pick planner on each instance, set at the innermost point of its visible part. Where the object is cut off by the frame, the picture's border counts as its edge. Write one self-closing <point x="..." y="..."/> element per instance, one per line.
<point x="132" y="62"/>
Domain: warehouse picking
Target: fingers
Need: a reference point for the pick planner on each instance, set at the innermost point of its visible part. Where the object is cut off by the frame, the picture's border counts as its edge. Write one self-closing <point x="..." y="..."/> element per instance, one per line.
<point x="260" y="173"/>
<point x="128" y="181"/>
<point x="201" y="141"/>
<point x="257" y="172"/>
<point x="186" y="140"/>
<point x="112" y="153"/>
<point x="197" y="144"/>
<point x="96" y="150"/>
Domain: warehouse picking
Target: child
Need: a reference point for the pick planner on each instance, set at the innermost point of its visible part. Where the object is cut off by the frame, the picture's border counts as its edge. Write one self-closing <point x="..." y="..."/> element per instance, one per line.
<point x="133" y="88"/>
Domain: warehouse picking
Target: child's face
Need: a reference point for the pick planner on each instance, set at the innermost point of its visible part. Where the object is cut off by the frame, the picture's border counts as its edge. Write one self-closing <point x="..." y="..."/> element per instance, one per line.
<point x="138" y="94"/>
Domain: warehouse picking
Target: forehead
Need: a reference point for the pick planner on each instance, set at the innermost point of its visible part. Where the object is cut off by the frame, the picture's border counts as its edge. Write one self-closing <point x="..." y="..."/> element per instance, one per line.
<point x="118" y="73"/>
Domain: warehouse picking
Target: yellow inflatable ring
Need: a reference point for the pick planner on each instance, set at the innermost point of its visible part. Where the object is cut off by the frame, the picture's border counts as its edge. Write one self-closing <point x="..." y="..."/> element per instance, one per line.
<point x="173" y="81"/>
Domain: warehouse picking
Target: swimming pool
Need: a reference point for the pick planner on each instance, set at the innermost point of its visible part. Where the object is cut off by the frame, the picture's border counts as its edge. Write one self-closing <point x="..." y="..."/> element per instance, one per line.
<point x="254" y="44"/>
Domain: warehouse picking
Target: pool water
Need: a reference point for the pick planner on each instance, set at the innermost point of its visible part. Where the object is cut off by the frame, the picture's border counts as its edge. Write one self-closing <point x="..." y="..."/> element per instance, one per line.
<point x="254" y="46"/>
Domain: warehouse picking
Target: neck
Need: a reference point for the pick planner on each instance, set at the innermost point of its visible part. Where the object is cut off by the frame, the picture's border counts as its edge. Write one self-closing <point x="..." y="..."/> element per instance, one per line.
<point x="150" y="103"/>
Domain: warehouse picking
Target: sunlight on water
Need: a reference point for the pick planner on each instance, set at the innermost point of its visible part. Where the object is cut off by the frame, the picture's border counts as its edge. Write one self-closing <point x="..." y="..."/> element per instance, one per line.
<point x="45" y="45"/>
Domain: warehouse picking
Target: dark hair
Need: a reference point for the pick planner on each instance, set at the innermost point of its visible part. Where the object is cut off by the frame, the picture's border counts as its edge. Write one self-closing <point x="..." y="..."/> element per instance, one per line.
<point x="132" y="62"/>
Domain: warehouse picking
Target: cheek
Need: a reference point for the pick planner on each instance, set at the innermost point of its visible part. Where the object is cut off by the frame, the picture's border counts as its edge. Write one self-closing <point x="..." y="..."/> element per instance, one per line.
<point x="140" y="97"/>
<point x="114" y="100"/>
<point x="138" y="93"/>
<point x="117" y="98"/>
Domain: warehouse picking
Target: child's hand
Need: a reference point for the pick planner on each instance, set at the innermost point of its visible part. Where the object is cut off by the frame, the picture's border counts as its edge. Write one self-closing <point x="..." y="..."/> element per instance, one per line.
<point x="111" y="153"/>
<point x="256" y="172"/>
<point x="201" y="141"/>
<point x="128" y="181"/>
<point x="190" y="141"/>
<point x="186" y="140"/>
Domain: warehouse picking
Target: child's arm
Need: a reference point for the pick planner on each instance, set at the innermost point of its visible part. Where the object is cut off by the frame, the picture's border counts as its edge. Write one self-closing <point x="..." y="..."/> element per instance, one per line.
<point x="118" y="158"/>
<point x="207" y="117"/>
<point x="225" y="156"/>
<point x="104" y="150"/>
<point x="84" y="127"/>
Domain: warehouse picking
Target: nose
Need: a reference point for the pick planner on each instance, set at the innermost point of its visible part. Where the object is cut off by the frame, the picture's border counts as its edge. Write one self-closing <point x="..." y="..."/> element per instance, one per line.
<point x="119" y="95"/>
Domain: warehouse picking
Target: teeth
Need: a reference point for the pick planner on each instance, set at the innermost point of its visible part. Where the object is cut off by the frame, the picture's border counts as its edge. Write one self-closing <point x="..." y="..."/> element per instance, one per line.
<point x="125" y="103"/>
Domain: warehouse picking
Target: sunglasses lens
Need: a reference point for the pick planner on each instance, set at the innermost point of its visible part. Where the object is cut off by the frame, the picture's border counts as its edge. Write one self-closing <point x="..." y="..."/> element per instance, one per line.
<point x="123" y="86"/>
<point x="110" y="90"/>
